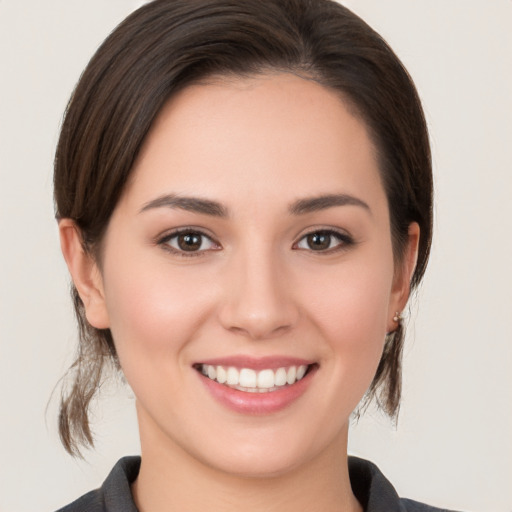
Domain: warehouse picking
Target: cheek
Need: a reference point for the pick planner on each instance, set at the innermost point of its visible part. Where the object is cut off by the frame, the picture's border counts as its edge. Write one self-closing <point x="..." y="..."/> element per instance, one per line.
<point x="352" y="300"/>
<point x="153" y="310"/>
<point x="349" y="306"/>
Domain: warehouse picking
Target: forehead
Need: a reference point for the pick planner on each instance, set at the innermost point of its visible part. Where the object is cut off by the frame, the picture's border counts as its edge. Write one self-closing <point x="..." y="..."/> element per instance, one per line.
<point x="262" y="136"/>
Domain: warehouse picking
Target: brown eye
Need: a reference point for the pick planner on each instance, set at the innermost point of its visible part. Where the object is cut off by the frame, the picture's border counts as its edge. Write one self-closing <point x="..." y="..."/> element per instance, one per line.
<point x="319" y="241"/>
<point x="189" y="241"/>
<point x="324" y="241"/>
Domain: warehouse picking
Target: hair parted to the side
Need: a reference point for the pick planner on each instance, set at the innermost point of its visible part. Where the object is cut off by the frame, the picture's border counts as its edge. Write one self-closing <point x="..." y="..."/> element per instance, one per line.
<point x="169" y="44"/>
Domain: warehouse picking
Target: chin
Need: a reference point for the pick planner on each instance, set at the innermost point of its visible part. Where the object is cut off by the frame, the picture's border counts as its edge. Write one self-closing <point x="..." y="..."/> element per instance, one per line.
<point x="258" y="464"/>
<point x="271" y="452"/>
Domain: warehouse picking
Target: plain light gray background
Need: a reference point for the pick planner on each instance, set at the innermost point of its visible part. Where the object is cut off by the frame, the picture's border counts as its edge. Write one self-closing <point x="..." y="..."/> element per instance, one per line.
<point x="453" y="443"/>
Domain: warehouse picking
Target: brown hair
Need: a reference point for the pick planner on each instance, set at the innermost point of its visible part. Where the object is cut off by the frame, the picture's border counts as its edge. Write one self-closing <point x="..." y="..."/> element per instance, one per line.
<point x="169" y="44"/>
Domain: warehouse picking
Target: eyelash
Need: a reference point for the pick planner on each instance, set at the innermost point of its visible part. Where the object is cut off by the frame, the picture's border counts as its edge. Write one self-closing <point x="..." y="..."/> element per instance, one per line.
<point x="164" y="242"/>
<point x="344" y="241"/>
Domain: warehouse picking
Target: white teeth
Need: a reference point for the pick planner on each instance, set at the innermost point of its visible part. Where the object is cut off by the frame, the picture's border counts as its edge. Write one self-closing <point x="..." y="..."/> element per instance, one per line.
<point x="232" y="377"/>
<point x="247" y="379"/>
<point x="281" y="377"/>
<point x="222" y="375"/>
<point x="291" y="375"/>
<point x="266" y="379"/>
<point x="212" y="372"/>
<point x="301" y="371"/>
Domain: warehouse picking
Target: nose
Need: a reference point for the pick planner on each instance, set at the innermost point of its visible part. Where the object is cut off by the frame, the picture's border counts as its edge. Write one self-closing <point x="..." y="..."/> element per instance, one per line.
<point x="258" y="299"/>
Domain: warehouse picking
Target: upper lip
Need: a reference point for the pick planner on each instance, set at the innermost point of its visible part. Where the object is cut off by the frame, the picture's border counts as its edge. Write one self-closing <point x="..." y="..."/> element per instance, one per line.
<point x="256" y="363"/>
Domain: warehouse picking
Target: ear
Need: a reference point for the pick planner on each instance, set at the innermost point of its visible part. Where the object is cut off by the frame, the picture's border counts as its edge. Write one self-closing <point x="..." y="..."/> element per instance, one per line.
<point x="85" y="274"/>
<point x="403" y="275"/>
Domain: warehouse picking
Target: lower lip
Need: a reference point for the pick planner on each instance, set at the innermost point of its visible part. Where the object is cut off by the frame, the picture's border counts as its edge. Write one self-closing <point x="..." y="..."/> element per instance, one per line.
<point x="258" y="403"/>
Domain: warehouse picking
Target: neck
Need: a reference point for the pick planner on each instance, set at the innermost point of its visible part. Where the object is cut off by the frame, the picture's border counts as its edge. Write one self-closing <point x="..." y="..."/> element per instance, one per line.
<point x="171" y="479"/>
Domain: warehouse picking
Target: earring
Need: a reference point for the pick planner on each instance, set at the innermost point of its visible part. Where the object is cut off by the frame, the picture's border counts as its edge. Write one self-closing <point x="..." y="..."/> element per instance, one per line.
<point x="398" y="318"/>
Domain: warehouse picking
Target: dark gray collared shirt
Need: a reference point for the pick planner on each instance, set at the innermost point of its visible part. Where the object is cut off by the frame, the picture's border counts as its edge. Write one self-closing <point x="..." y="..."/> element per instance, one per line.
<point x="372" y="489"/>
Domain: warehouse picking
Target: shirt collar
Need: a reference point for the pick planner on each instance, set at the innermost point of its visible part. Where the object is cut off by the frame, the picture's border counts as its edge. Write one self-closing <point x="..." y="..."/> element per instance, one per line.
<point x="370" y="486"/>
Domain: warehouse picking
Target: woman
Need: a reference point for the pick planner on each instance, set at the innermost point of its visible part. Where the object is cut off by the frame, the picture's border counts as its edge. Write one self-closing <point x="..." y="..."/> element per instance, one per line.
<point x="244" y="197"/>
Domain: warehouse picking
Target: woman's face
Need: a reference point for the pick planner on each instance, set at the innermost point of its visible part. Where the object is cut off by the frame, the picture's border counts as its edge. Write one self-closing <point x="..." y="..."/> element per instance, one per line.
<point x="251" y="244"/>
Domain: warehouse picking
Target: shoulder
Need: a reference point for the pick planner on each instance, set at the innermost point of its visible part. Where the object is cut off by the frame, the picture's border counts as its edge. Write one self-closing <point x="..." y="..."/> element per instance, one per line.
<point x="377" y="494"/>
<point x="90" y="502"/>
<point x="114" y="495"/>
<point x="415" y="506"/>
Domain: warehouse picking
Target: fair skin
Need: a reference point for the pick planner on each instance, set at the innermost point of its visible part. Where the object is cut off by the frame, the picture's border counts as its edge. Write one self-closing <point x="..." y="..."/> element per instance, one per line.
<point x="244" y="286"/>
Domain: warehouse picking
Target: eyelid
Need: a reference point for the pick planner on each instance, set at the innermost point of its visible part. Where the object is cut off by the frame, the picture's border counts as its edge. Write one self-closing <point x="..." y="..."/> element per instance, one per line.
<point x="163" y="239"/>
<point x="346" y="240"/>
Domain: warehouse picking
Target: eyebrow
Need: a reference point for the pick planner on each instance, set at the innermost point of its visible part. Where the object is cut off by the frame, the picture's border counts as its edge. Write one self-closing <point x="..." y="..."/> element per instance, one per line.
<point x="314" y="204"/>
<point x="216" y="209"/>
<point x="191" y="204"/>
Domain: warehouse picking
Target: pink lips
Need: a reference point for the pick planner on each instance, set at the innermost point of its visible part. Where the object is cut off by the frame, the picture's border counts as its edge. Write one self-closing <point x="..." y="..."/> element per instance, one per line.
<point x="258" y="403"/>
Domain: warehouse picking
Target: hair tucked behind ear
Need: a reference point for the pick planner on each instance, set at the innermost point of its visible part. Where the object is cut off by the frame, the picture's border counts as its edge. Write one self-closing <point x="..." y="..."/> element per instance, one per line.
<point x="95" y="354"/>
<point x="386" y="387"/>
<point x="167" y="45"/>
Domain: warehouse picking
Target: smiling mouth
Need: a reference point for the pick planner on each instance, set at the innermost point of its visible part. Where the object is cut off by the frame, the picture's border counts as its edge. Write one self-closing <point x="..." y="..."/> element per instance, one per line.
<point x="254" y="381"/>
